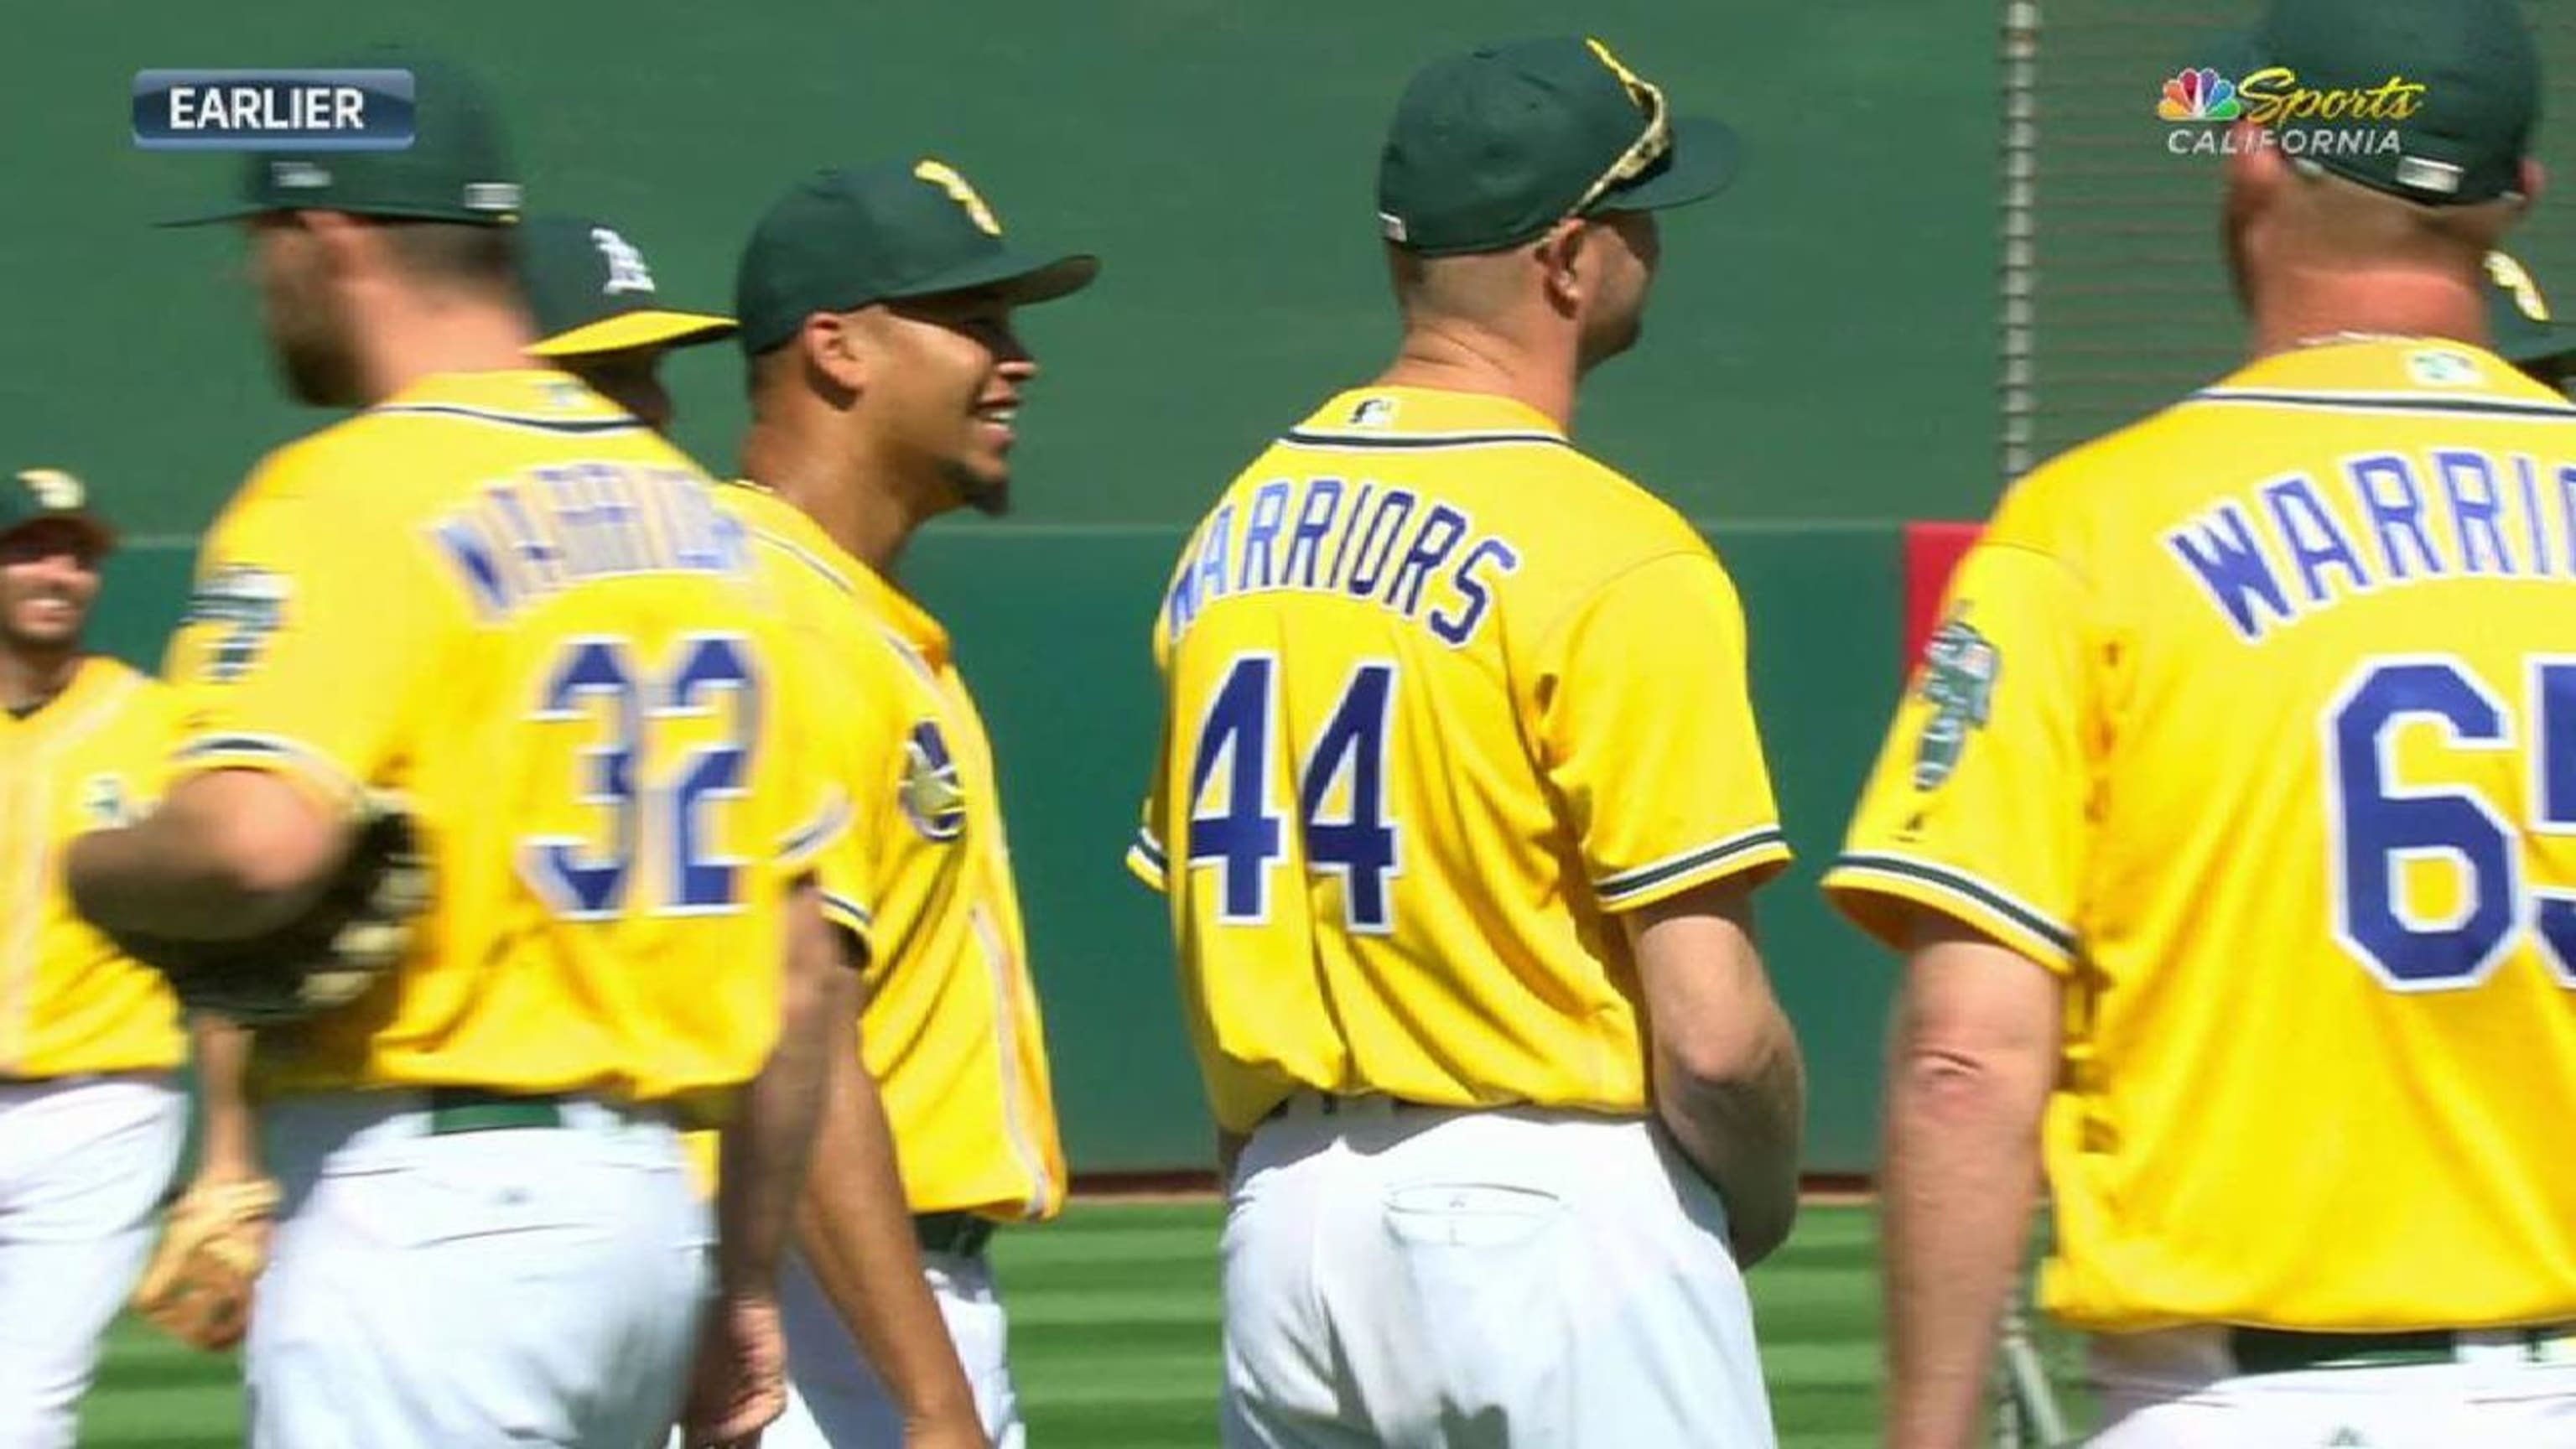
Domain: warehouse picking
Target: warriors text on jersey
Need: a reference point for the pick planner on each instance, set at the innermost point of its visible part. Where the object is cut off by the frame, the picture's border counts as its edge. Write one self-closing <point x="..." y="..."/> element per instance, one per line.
<point x="1443" y="696"/>
<point x="951" y="1030"/>
<point x="503" y="597"/>
<point x="91" y="757"/>
<point x="2257" y="721"/>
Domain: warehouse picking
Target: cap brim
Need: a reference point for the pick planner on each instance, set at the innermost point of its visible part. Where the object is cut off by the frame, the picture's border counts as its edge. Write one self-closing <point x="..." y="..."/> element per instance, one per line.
<point x="1021" y="278"/>
<point x="644" y="327"/>
<point x="238" y="211"/>
<point x="1704" y="160"/>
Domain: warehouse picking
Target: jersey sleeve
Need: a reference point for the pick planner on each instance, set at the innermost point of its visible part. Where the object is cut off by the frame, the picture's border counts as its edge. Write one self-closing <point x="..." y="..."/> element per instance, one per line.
<point x="1976" y="807"/>
<point x="834" y="839"/>
<point x="307" y="630"/>
<point x="1646" y="731"/>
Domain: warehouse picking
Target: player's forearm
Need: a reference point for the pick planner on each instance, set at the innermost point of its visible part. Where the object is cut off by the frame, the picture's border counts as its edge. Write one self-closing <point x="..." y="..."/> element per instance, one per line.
<point x="1960" y="1171"/>
<point x="1741" y="1122"/>
<point x="855" y="1228"/>
<point x="229" y="855"/>
<point x="765" y="1149"/>
<point x="228" y="1129"/>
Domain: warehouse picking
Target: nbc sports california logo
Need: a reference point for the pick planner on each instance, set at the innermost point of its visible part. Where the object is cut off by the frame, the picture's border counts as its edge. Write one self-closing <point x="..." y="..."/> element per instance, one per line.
<point x="2201" y="104"/>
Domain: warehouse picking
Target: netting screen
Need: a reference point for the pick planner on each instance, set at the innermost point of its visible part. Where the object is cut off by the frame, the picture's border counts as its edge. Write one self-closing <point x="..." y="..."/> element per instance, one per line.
<point x="2115" y="299"/>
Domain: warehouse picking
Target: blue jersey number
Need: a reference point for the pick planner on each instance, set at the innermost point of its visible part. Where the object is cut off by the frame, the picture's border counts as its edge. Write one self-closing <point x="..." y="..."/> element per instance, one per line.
<point x="1341" y="794"/>
<point x="2379" y="825"/>
<point x="591" y="878"/>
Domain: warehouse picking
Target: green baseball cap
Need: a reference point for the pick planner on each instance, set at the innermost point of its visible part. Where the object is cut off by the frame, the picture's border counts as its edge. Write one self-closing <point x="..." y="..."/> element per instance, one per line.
<point x="1491" y="148"/>
<point x="50" y="495"/>
<point x="2519" y="322"/>
<point x="457" y="167"/>
<point x="2466" y="71"/>
<point x="592" y="292"/>
<point x="842" y="239"/>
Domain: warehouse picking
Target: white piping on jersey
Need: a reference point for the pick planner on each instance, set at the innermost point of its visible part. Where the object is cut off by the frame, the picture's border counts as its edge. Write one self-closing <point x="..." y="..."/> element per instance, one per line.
<point x="322" y="767"/>
<point x="1986" y="901"/>
<point x="1148" y="852"/>
<point x="2380" y="404"/>
<point x="507" y="420"/>
<point x="807" y="557"/>
<point x="1338" y="441"/>
<point x="1686" y="864"/>
<point x="1006" y="1037"/>
<point x="859" y="915"/>
<point x="826" y="826"/>
<point x="35" y="788"/>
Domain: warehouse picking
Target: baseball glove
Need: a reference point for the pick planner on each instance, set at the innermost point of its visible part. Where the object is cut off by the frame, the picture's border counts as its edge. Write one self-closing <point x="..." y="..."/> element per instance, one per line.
<point x="197" y="1287"/>
<point x="352" y="935"/>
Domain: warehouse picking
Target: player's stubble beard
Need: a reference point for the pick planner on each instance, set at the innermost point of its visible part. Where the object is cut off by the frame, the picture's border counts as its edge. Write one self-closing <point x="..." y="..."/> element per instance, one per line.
<point x="310" y="339"/>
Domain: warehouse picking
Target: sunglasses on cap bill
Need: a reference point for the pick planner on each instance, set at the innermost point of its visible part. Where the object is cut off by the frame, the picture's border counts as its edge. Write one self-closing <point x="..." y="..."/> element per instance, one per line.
<point x="1650" y="145"/>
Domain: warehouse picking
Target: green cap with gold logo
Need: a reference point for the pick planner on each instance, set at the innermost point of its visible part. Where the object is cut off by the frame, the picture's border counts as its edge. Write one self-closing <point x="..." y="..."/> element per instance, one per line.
<point x="841" y="239"/>
<point x="457" y="167"/>
<point x="2519" y="322"/>
<point x="50" y="495"/>
<point x="2466" y="72"/>
<point x="1491" y="148"/>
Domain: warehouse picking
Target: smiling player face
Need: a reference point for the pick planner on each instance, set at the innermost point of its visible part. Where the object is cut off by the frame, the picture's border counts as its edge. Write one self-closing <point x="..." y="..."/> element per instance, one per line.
<point x="943" y="392"/>
<point x="48" y="580"/>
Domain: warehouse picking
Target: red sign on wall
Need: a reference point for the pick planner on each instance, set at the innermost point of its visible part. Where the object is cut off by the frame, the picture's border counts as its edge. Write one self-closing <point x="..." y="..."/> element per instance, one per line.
<point x="1932" y="552"/>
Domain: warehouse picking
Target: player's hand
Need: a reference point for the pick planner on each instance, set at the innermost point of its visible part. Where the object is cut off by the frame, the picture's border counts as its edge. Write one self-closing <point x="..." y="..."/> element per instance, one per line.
<point x="214" y="1244"/>
<point x="740" y="1384"/>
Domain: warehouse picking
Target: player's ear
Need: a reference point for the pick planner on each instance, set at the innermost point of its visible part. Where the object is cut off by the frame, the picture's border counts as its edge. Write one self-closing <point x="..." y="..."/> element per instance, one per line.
<point x="1565" y="264"/>
<point x="834" y="353"/>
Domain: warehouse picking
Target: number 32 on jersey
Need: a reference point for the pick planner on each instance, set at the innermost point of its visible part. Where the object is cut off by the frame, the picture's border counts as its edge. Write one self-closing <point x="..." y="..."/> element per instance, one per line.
<point x="1236" y="825"/>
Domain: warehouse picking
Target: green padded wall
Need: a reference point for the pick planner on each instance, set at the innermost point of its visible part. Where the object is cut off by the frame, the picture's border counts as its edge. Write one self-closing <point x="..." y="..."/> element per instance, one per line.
<point x="1819" y="363"/>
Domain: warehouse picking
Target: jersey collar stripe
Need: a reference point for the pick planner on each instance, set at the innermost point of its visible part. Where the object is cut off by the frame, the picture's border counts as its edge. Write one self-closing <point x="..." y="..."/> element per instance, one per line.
<point x="508" y="420"/>
<point x="1151" y="849"/>
<point x="270" y="748"/>
<point x="807" y="557"/>
<point x="1616" y="888"/>
<point x="1968" y="887"/>
<point x="826" y="827"/>
<point x="846" y="911"/>
<point x="2388" y="402"/>
<point x="1312" y="438"/>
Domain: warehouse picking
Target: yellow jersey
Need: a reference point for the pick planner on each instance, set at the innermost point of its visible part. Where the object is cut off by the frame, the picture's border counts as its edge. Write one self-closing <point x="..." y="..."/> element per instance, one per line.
<point x="503" y="597"/>
<point x="951" y="1029"/>
<point x="1442" y="697"/>
<point x="91" y="757"/>
<point x="2257" y="722"/>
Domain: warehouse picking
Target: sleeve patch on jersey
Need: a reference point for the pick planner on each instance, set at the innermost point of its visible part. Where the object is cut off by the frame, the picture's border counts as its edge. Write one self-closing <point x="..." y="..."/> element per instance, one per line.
<point x="1959" y="670"/>
<point x="104" y="803"/>
<point x="245" y="605"/>
<point x="932" y="798"/>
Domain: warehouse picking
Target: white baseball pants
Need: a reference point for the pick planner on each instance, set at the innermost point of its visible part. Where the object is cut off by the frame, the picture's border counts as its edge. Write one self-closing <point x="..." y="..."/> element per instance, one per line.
<point x="1432" y="1279"/>
<point x="83" y="1163"/>
<point x="496" y="1289"/>
<point x="2179" y="1388"/>
<point x="836" y="1400"/>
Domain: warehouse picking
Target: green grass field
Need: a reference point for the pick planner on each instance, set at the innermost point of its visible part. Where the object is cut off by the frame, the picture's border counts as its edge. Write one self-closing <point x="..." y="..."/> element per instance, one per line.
<point x="1114" y="1339"/>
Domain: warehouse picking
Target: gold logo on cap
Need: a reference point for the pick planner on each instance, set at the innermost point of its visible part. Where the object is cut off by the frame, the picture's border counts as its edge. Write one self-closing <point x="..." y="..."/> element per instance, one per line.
<point x="1629" y="78"/>
<point x="2507" y="273"/>
<point x="945" y="177"/>
<point x="55" y="489"/>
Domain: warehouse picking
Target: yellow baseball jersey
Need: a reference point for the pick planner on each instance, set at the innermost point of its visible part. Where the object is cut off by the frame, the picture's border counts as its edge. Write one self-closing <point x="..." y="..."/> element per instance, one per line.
<point x="951" y="1029"/>
<point x="502" y="596"/>
<point x="93" y="756"/>
<point x="1443" y="696"/>
<point x="2257" y="722"/>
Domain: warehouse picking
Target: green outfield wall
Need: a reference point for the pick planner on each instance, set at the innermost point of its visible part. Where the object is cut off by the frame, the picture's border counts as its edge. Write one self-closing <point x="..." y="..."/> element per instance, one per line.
<point x="1818" y="365"/>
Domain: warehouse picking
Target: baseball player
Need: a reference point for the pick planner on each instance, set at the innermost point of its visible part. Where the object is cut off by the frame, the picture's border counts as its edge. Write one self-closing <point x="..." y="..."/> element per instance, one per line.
<point x="599" y="315"/>
<point x="90" y="1120"/>
<point x="885" y="383"/>
<point x="2226" y="827"/>
<point x="2524" y="331"/>
<point x="1460" y="809"/>
<point x="504" y="598"/>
